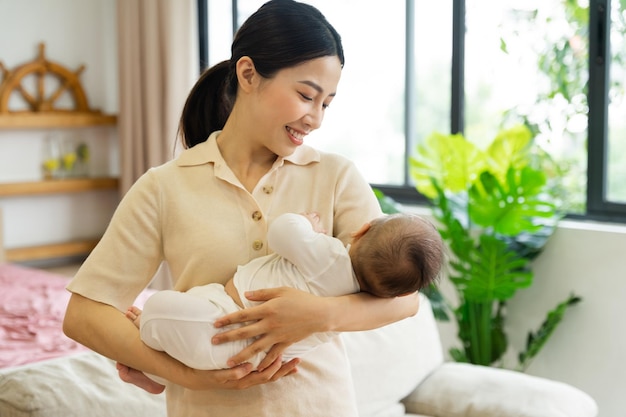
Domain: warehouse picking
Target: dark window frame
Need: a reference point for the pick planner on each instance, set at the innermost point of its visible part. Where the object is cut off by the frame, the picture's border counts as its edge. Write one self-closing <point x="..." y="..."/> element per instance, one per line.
<point x="598" y="207"/>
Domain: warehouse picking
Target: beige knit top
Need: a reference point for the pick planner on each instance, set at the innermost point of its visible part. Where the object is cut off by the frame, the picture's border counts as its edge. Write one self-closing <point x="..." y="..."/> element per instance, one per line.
<point x="193" y="213"/>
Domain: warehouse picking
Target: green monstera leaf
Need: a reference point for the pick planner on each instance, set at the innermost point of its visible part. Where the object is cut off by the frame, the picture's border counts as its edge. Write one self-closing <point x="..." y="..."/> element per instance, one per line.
<point x="513" y="207"/>
<point x="509" y="149"/>
<point x="449" y="160"/>
<point x="490" y="271"/>
<point x="387" y="204"/>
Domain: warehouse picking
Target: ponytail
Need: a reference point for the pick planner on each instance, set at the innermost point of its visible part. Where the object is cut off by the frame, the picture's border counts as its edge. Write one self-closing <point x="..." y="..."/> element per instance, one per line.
<point x="208" y="105"/>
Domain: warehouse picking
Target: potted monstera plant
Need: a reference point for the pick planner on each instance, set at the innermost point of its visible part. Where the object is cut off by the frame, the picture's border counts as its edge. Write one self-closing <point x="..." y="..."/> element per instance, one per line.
<point x="495" y="210"/>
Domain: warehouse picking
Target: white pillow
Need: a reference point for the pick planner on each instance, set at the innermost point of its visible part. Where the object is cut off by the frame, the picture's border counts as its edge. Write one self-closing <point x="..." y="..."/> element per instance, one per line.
<point x="464" y="390"/>
<point x="388" y="363"/>
<point x="84" y="384"/>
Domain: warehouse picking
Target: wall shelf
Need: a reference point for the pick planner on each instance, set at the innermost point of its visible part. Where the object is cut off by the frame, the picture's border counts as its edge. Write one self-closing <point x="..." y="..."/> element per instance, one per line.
<point x="54" y="250"/>
<point x="42" y="98"/>
<point x="33" y="120"/>
<point x="57" y="186"/>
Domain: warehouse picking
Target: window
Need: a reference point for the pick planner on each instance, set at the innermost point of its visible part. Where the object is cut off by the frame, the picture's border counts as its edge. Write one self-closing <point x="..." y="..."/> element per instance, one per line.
<point x="616" y="166"/>
<point x="472" y="66"/>
<point x="528" y="63"/>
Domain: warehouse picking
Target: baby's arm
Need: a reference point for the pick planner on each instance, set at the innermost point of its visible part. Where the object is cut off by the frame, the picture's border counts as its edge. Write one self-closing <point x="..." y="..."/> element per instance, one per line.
<point x="314" y="219"/>
<point x="300" y="239"/>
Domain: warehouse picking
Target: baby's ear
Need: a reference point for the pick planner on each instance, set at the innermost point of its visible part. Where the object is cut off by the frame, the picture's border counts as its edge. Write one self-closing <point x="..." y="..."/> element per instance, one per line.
<point x="359" y="233"/>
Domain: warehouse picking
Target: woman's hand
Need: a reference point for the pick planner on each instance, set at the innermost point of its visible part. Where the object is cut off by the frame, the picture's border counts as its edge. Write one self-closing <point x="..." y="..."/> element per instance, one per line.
<point x="242" y="376"/>
<point x="239" y="377"/>
<point x="286" y="317"/>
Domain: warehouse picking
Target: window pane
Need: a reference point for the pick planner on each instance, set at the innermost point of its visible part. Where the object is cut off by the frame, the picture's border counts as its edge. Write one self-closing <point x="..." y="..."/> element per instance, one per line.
<point x="220" y="30"/>
<point x="245" y="8"/>
<point x="616" y="170"/>
<point x="433" y="70"/>
<point x="526" y="61"/>
<point x="365" y="121"/>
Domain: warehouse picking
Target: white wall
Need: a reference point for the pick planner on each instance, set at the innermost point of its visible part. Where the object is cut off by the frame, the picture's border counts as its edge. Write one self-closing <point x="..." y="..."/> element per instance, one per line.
<point x="587" y="349"/>
<point x="75" y="33"/>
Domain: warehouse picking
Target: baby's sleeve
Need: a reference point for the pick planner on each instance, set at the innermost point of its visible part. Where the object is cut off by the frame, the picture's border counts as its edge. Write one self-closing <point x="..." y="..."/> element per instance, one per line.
<point x="292" y="236"/>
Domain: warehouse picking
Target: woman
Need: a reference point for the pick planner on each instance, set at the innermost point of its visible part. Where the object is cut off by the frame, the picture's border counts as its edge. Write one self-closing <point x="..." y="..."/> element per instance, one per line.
<point x="244" y="125"/>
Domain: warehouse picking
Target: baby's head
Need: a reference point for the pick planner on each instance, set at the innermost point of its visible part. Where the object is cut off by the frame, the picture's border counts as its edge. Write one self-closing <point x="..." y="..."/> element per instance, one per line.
<point x="396" y="255"/>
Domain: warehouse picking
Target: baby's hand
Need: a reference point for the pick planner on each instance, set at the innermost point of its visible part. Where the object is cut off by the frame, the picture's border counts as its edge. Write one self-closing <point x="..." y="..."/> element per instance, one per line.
<point x="314" y="218"/>
<point x="133" y="314"/>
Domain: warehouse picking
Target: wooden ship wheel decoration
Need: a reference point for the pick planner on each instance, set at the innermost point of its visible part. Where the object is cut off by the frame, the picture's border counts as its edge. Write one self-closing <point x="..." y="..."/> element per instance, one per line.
<point x="40" y="84"/>
<point x="41" y="100"/>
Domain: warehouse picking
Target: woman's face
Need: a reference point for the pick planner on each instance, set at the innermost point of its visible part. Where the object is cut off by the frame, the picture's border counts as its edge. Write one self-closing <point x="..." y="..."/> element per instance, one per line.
<point x="292" y="103"/>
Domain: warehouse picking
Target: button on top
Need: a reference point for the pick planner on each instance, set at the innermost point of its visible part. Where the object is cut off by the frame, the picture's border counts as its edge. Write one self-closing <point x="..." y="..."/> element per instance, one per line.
<point x="257" y="215"/>
<point x="257" y="245"/>
<point x="267" y="189"/>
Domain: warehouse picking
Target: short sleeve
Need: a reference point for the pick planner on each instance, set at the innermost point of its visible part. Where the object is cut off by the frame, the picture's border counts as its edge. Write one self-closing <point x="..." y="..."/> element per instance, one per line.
<point x="356" y="203"/>
<point x="130" y="251"/>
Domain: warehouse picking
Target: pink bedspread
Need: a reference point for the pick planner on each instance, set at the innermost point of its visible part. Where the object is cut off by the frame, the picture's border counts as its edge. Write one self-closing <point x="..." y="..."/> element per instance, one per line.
<point x="32" y="306"/>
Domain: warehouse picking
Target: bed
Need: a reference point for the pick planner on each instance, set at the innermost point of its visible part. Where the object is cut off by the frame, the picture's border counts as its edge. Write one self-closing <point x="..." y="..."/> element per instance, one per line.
<point x="45" y="374"/>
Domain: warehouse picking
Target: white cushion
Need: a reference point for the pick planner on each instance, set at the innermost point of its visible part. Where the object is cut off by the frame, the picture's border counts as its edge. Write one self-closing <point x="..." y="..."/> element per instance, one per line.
<point x="85" y="384"/>
<point x="388" y="363"/>
<point x="464" y="390"/>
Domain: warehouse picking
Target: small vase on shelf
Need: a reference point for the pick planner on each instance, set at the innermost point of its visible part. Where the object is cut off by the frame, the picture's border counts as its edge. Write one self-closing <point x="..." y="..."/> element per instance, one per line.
<point x="51" y="164"/>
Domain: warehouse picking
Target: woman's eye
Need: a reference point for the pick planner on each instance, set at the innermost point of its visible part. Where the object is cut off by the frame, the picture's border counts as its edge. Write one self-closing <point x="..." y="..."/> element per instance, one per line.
<point x="307" y="98"/>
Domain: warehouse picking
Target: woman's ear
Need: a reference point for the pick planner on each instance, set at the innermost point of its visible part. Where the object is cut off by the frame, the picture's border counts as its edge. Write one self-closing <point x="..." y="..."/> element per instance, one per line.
<point x="246" y="73"/>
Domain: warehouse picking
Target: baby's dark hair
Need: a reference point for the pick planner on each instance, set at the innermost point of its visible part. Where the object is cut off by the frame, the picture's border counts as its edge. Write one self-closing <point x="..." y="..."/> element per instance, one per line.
<point x="398" y="255"/>
<point x="281" y="34"/>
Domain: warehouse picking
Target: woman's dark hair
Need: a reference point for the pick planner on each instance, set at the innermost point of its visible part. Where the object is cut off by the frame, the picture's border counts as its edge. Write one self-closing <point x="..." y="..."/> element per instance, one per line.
<point x="281" y="34"/>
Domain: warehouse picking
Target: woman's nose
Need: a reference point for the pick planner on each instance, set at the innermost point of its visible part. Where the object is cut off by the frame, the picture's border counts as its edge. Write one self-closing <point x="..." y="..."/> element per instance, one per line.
<point x="314" y="117"/>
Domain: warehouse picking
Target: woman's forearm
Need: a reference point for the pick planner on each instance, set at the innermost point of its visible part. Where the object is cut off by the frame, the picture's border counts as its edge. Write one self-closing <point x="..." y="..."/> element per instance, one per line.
<point x="105" y="330"/>
<point x="287" y="316"/>
<point x="115" y="337"/>
<point x="363" y="311"/>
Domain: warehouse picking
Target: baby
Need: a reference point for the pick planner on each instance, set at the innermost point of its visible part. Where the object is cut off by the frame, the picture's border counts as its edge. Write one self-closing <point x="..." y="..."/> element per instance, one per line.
<point x="391" y="256"/>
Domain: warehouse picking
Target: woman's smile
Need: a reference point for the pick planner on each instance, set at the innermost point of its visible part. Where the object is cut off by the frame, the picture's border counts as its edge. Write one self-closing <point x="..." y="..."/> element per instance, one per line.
<point x="296" y="136"/>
